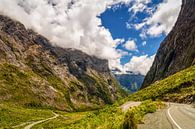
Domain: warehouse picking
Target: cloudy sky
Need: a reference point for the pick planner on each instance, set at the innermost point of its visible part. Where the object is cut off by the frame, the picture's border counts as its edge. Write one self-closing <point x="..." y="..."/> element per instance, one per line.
<point x="126" y="32"/>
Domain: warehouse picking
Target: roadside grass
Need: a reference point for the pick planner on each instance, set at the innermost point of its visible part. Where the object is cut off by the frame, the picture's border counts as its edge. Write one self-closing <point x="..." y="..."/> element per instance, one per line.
<point x="11" y="116"/>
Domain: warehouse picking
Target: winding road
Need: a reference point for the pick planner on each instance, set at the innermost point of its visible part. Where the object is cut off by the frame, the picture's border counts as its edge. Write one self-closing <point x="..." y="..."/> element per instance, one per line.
<point x="175" y="116"/>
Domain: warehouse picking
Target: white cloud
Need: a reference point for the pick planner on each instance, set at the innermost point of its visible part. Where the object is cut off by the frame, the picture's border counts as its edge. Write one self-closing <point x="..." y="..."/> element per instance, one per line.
<point x="139" y="64"/>
<point x="128" y="25"/>
<point x="130" y="45"/>
<point x="144" y="43"/>
<point x="139" y="6"/>
<point x="162" y="20"/>
<point x="139" y="26"/>
<point x="122" y="53"/>
<point x="115" y="64"/>
<point x="119" y="41"/>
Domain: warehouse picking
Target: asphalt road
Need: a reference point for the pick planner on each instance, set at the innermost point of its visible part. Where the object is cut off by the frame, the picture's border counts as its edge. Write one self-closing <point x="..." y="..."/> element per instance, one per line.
<point x="175" y="116"/>
<point x="128" y="105"/>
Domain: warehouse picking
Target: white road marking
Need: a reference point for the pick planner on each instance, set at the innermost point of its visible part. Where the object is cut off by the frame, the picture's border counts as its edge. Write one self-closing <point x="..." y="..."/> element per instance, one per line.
<point x="173" y="119"/>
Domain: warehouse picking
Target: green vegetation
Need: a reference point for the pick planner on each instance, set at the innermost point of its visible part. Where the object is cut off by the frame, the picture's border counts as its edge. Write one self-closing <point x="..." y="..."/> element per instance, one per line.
<point x="22" y="87"/>
<point x="25" y="91"/>
<point x="179" y="87"/>
<point x="110" y="117"/>
<point x="12" y="115"/>
<point x="63" y="121"/>
<point x="44" y="89"/>
<point x="13" y="83"/>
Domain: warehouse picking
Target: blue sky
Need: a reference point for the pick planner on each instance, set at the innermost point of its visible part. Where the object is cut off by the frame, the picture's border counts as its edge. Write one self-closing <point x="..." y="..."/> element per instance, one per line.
<point x="115" y="20"/>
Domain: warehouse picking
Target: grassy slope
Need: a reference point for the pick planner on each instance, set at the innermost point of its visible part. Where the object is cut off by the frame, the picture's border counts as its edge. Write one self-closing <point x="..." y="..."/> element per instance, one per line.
<point x="24" y="87"/>
<point x="36" y="84"/>
<point x="179" y="87"/>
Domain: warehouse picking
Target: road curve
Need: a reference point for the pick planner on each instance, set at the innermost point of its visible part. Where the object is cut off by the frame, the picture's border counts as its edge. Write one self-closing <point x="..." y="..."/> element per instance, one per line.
<point x="41" y="121"/>
<point x="182" y="116"/>
<point x="176" y="116"/>
<point x="128" y="105"/>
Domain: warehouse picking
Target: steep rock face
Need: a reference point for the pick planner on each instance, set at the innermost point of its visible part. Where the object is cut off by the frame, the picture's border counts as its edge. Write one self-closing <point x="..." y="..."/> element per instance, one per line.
<point x="177" y="51"/>
<point x="34" y="73"/>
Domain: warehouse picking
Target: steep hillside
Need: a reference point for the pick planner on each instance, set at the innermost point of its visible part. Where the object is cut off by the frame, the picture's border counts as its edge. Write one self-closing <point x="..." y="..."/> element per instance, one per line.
<point x="177" y="51"/>
<point x="35" y="74"/>
<point x="132" y="82"/>
<point x="179" y="87"/>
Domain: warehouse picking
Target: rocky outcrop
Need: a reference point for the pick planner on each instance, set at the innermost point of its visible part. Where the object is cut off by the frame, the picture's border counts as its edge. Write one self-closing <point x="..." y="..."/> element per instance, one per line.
<point x="35" y="73"/>
<point x="177" y="51"/>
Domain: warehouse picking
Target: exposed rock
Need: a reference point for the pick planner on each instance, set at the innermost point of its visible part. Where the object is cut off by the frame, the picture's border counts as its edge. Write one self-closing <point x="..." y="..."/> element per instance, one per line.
<point x="177" y="51"/>
<point x="39" y="74"/>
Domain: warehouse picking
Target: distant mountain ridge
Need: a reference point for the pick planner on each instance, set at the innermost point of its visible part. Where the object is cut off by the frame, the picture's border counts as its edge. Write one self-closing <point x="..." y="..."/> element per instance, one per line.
<point x="177" y="51"/>
<point x="130" y="81"/>
<point x="34" y="73"/>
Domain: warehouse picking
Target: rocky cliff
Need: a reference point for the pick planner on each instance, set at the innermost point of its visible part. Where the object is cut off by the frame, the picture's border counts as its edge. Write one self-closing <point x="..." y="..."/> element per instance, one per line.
<point x="177" y="51"/>
<point x="34" y="73"/>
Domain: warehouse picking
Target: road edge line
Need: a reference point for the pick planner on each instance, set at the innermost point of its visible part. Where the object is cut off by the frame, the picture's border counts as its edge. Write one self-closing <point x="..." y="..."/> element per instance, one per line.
<point x="173" y="119"/>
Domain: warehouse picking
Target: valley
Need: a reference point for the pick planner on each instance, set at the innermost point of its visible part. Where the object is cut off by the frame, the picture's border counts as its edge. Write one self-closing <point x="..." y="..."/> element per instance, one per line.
<point x="44" y="85"/>
<point x="112" y="116"/>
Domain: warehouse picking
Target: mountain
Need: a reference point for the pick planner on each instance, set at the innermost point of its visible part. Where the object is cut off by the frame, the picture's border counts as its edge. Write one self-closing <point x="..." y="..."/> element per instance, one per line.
<point x="33" y="73"/>
<point x="130" y="81"/>
<point x="177" y="51"/>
